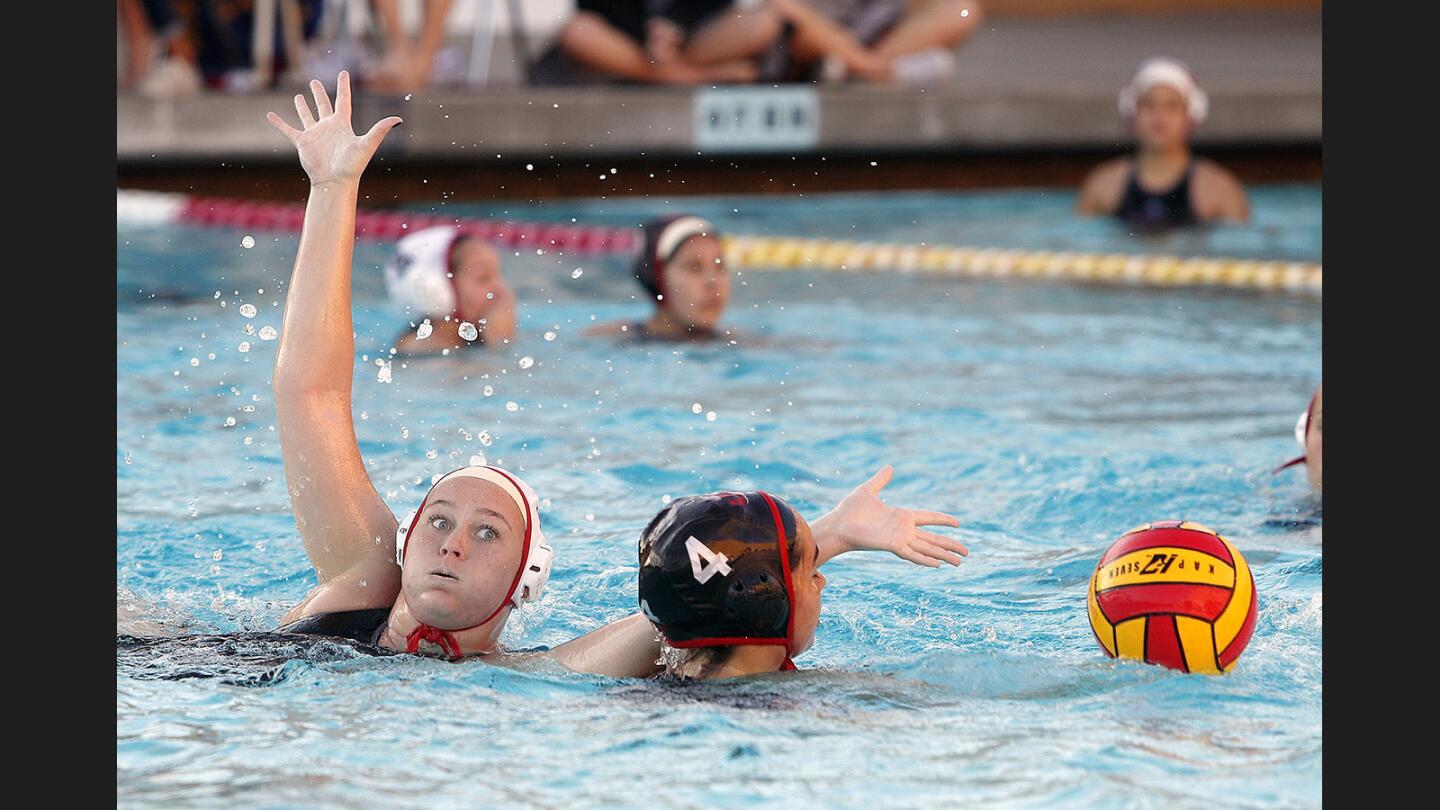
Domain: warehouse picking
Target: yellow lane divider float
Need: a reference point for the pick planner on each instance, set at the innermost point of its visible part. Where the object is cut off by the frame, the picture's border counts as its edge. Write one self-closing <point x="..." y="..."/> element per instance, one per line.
<point x="782" y="253"/>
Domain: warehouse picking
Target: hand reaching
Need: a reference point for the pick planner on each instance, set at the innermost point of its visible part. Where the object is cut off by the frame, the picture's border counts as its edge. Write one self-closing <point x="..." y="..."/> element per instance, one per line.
<point x="330" y="151"/>
<point x="863" y="521"/>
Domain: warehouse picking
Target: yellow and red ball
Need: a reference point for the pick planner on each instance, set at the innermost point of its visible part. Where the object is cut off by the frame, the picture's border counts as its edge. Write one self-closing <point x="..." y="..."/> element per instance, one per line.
<point x="1173" y="593"/>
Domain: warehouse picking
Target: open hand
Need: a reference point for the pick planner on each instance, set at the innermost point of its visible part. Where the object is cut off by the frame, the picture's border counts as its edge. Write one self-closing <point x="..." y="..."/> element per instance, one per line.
<point x="864" y="522"/>
<point x="330" y="151"/>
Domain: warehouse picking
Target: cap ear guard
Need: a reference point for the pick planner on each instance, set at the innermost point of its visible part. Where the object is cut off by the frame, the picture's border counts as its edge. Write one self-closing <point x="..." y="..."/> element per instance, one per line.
<point x="402" y="531"/>
<point x="537" y="572"/>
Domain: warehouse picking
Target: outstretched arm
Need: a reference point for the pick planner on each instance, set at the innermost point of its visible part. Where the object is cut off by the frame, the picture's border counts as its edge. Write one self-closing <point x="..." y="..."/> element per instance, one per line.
<point x="861" y="522"/>
<point x="347" y="529"/>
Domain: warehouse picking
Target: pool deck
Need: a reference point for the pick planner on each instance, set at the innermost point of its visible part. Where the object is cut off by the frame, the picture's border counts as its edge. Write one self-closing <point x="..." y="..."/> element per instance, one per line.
<point x="1022" y="84"/>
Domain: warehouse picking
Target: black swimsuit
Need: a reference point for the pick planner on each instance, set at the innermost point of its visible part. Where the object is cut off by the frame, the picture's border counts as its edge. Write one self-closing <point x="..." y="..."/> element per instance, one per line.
<point x="1145" y="209"/>
<point x="364" y="626"/>
<point x="251" y="658"/>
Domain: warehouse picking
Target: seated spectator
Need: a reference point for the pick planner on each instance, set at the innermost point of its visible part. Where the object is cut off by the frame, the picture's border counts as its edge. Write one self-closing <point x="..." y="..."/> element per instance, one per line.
<point x="1163" y="184"/>
<point x="450" y="285"/>
<point x="670" y="41"/>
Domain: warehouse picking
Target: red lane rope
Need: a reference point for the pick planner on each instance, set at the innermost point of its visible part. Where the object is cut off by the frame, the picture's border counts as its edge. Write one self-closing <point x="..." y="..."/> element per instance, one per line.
<point x="388" y="226"/>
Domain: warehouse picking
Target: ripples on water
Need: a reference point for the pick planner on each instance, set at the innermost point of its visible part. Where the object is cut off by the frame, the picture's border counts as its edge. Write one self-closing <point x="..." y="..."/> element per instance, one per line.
<point x="1047" y="418"/>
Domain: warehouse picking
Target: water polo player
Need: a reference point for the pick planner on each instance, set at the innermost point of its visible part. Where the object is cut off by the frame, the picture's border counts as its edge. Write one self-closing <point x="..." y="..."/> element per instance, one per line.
<point x="1163" y="184"/>
<point x="732" y="579"/>
<point x="682" y="267"/>
<point x="443" y="581"/>
<point x="1309" y="434"/>
<point x="451" y="288"/>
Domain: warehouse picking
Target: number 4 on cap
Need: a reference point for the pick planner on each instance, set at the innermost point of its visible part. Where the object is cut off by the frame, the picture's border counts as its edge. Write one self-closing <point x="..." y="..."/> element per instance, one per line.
<point x="715" y="562"/>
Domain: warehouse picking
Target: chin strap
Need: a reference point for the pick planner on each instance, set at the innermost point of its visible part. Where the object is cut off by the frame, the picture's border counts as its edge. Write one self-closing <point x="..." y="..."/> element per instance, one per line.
<point x="788" y="666"/>
<point x="442" y="638"/>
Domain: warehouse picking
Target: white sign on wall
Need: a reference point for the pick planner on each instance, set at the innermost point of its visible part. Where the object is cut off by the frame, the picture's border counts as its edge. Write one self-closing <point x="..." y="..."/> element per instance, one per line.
<point x="756" y="119"/>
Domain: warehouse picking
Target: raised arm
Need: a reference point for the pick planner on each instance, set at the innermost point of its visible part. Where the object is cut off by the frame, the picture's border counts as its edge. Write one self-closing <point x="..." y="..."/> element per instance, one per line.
<point x="347" y="529"/>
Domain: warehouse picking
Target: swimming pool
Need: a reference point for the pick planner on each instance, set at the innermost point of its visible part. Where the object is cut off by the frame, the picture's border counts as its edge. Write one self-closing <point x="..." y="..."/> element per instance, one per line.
<point x="1048" y="418"/>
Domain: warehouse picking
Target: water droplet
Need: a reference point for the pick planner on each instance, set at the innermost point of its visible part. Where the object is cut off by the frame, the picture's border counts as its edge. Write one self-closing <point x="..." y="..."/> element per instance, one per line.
<point x="710" y="416"/>
<point x="247" y="408"/>
<point x="268" y="333"/>
<point x="489" y="296"/>
<point x="129" y="459"/>
<point x="589" y="516"/>
<point x="423" y="330"/>
<point x="512" y="406"/>
<point x="964" y="12"/>
<point x="468" y="331"/>
<point x="194" y="361"/>
<point x="696" y="408"/>
<point x="527" y="361"/>
<point x="218" y="555"/>
<point x="477" y="460"/>
<point x="485" y="438"/>
<point x="248" y="242"/>
<point x="408" y="95"/>
<point x="529" y="167"/>
<point x="549" y="335"/>
<point x="249" y="329"/>
<point x="665" y="499"/>
<point x="404" y="432"/>
<point x="431" y="453"/>
<point x="249" y="440"/>
<point x="244" y="346"/>
<point x="229" y="421"/>
<point x="488" y="390"/>
<point x="384" y="374"/>
<point x="576" y="273"/>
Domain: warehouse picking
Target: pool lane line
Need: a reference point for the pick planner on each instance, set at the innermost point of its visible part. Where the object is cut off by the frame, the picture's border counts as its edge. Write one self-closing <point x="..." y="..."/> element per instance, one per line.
<point x="759" y="253"/>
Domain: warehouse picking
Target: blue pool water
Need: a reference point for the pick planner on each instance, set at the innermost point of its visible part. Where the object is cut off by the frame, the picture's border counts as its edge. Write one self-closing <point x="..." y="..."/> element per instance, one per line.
<point x="1048" y="418"/>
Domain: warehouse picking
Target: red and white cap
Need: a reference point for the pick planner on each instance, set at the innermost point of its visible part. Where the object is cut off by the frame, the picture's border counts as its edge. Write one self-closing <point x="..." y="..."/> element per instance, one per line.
<point x="420" y="276"/>
<point x="536" y="555"/>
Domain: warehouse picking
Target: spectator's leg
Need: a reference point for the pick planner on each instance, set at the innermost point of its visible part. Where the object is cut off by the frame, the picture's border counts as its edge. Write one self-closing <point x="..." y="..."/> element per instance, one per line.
<point x="931" y="24"/>
<point x="139" y="40"/>
<point x="818" y="36"/>
<point x="406" y="65"/>
<point x="733" y="35"/>
<point x="595" y="43"/>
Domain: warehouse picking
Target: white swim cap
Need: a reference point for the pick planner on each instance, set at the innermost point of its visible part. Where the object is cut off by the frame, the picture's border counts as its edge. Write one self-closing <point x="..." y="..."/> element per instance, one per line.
<point x="420" y="276"/>
<point x="536" y="554"/>
<point x="1160" y="70"/>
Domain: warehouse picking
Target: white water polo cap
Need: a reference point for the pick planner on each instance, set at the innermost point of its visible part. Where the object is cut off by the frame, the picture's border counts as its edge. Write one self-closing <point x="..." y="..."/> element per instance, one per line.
<point x="536" y="554"/>
<point x="1162" y="70"/>
<point x="420" y="276"/>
